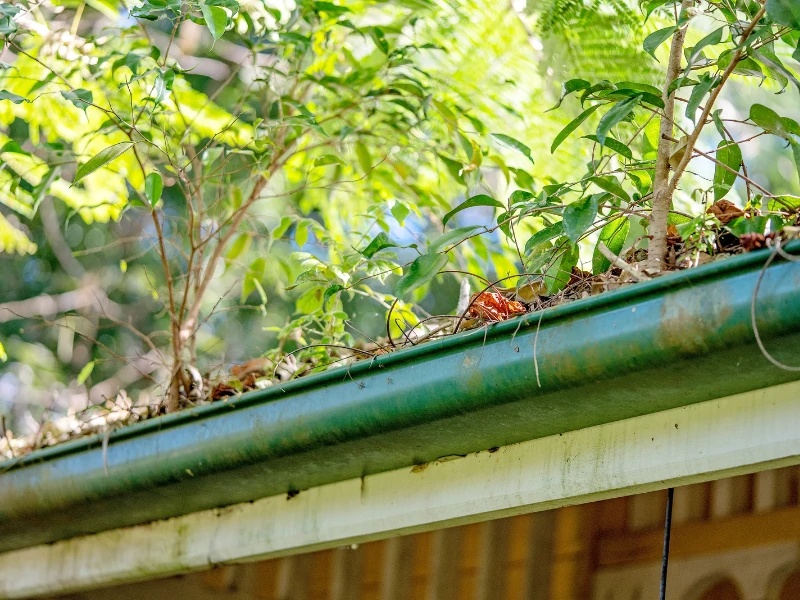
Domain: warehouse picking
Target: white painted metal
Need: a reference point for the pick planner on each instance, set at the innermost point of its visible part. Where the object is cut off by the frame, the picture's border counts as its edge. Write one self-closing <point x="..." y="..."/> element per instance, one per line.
<point x="720" y="438"/>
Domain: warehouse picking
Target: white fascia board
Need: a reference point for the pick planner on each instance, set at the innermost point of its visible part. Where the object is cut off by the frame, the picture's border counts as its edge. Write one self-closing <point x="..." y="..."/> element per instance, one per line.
<point x="730" y="436"/>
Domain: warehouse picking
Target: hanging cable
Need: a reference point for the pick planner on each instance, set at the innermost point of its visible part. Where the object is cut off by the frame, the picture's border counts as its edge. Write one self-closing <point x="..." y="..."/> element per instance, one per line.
<point x="665" y="556"/>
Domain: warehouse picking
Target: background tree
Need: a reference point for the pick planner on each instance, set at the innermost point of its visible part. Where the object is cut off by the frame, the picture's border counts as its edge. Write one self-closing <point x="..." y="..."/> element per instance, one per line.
<point x="211" y="181"/>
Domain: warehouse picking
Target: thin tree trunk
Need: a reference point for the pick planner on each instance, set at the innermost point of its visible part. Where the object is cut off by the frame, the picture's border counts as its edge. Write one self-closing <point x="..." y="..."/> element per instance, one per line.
<point x="662" y="199"/>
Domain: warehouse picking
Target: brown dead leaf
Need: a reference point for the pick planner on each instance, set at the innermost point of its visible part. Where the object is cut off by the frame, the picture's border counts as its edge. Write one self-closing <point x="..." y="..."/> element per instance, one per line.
<point x="257" y="366"/>
<point x="725" y="211"/>
<point x="223" y="390"/>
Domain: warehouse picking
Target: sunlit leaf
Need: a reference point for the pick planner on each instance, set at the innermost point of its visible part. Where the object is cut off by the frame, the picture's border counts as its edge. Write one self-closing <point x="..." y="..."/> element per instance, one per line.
<point x="614" y="145"/>
<point x="512" y="144"/>
<point x="101" y="159"/>
<point x="572" y="126"/>
<point x="153" y="186"/>
<point x="378" y="243"/>
<point x="79" y="98"/>
<point x="479" y="200"/>
<point x="418" y="273"/>
<point x="729" y="154"/>
<point x="216" y="19"/>
<point x="655" y="39"/>
<point x="618" y="113"/>
<point x="568" y="87"/>
<point x="85" y="372"/>
<point x="613" y="235"/>
<point x="579" y="216"/>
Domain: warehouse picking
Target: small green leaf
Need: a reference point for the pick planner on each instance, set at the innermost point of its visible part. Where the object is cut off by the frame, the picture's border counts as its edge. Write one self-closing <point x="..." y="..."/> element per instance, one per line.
<point x="558" y="275"/>
<point x="328" y="159"/>
<point x="655" y="39"/>
<point x="282" y="227"/>
<point x="301" y="234"/>
<point x="454" y="236"/>
<point x="153" y="186"/>
<point x="216" y="20"/>
<point x="377" y="35"/>
<point x="512" y="144"/>
<point x="613" y="235"/>
<point x="418" y="273"/>
<point x="101" y="159"/>
<point x="614" y="145"/>
<point x="6" y="95"/>
<point x="730" y="155"/>
<point x="771" y="60"/>
<point x="612" y="186"/>
<point x="3" y="355"/>
<point x="572" y="126"/>
<point x="579" y="216"/>
<point x="568" y="87"/>
<point x="707" y="81"/>
<point x="785" y="12"/>
<point x="378" y="243"/>
<point x="544" y="235"/>
<point x="79" y="98"/>
<point x="712" y="39"/>
<point x="479" y="200"/>
<point x="618" y="113"/>
<point x="85" y="372"/>
<point x="773" y="123"/>
<point x="334" y="289"/>
<point x="363" y="156"/>
<point x="240" y="245"/>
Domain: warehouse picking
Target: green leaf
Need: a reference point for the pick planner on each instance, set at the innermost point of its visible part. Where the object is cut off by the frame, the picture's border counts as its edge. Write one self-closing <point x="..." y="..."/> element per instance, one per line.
<point x="612" y="186"/>
<point x="707" y="81"/>
<point x="240" y="246"/>
<point x="330" y="292"/>
<point x="558" y="275"/>
<point x="730" y="155"/>
<point x="772" y="61"/>
<point x="6" y="95"/>
<point x="712" y="39"/>
<point x="572" y="126"/>
<point x="640" y="87"/>
<point x="785" y="12"/>
<point x="614" y="145"/>
<point x="101" y="159"/>
<point x="579" y="216"/>
<point x="378" y="243"/>
<point x="512" y="144"/>
<point x="544" y="235"/>
<point x="773" y="123"/>
<point x="618" y="113"/>
<point x="377" y="35"/>
<point x="613" y="235"/>
<point x="216" y="20"/>
<point x="655" y="39"/>
<point x="328" y="159"/>
<point x="364" y="158"/>
<point x="3" y="355"/>
<point x="452" y="237"/>
<point x="153" y="186"/>
<point x="418" y="273"/>
<point x="568" y="87"/>
<point x="282" y="227"/>
<point x="79" y="98"/>
<point x="479" y="200"/>
<point x="85" y="372"/>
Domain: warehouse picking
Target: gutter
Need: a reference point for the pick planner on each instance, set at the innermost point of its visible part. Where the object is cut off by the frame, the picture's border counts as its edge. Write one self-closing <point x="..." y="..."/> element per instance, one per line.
<point x="670" y="342"/>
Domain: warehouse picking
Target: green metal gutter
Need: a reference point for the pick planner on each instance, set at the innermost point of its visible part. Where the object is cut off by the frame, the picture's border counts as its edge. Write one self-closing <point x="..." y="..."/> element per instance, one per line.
<point x="680" y="339"/>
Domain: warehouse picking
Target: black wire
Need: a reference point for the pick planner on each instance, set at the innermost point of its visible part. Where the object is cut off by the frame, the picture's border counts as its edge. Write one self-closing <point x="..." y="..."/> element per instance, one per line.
<point x="665" y="556"/>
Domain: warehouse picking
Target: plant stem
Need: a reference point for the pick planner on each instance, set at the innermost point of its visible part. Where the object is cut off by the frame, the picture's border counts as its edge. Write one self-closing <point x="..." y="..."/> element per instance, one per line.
<point x="662" y="199"/>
